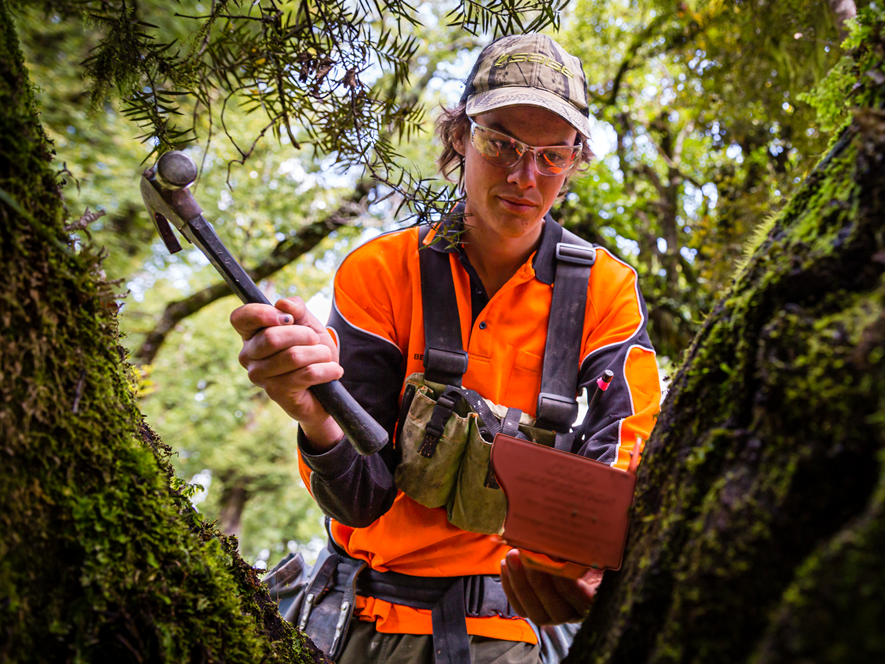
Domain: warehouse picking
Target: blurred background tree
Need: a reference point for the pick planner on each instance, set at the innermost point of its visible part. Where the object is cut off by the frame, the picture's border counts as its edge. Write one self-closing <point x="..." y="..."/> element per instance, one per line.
<point x="705" y="136"/>
<point x="700" y="134"/>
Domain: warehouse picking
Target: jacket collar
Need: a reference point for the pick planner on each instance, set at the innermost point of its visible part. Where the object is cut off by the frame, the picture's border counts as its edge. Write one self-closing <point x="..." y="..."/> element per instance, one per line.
<point x="543" y="262"/>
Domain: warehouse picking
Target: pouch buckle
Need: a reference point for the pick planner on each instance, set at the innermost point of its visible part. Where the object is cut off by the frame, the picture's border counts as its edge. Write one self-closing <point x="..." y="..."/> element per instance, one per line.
<point x="445" y="404"/>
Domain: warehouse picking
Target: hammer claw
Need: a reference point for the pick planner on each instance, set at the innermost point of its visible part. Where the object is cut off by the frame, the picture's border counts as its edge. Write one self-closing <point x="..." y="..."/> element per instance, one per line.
<point x="166" y="233"/>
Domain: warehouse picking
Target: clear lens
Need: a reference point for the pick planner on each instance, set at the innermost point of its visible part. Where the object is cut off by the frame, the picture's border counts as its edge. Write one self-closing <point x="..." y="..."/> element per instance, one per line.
<point x="499" y="149"/>
<point x="553" y="161"/>
<point x="502" y="150"/>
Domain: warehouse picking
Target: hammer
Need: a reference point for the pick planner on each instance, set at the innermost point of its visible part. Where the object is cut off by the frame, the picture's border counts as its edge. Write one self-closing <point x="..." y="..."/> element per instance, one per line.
<point x="164" y="189"/>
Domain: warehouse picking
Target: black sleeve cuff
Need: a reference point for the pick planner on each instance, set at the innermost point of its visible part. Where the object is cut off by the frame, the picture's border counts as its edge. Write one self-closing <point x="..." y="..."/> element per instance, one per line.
<point x="329" y="465"/>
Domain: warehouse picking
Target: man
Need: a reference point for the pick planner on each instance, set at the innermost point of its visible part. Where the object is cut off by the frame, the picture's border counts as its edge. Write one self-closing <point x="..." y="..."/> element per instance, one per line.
<point x="517" y="135"/>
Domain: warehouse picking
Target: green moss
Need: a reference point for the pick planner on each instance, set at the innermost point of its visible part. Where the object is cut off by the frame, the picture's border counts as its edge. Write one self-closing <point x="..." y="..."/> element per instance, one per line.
<point x="762" y="471"/>
<point x="101" y="559"/>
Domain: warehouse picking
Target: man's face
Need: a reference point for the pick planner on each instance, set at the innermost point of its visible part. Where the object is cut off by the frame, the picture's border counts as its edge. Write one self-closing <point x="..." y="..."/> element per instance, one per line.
<point x="511" y="202"/>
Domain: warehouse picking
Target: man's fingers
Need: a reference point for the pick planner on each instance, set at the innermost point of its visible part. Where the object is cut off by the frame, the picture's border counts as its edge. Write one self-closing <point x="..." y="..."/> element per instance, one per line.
<point x="273" y="340"/>
<point x="545" y="599"/>
<point x="290" y="391"/>
<point x="287" y="386"/>
<point x="294" y="358"/>
<point x="522" y="591"/>
<point x="578" y="593"/>
<point x="295" y="307"/>
<point x="553" y="605"/>
<point x="512" y="597"/>
<point x="249" y="319"/>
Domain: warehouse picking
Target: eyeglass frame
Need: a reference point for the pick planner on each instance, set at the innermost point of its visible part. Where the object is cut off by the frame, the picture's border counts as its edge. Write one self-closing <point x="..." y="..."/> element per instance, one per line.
<point x="525" y="148"/>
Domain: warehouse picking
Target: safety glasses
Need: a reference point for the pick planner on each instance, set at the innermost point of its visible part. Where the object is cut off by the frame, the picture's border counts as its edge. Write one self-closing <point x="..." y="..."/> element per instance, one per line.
<point x="503" y="150"/>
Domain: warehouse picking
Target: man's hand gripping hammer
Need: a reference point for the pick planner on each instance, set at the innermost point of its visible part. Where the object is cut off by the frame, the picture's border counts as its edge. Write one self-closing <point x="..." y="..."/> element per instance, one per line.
<point x="164" y="188"/>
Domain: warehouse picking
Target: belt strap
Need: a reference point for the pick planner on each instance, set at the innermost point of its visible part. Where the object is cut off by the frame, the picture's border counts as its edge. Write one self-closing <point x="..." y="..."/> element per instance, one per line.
<point x="451" y="645"/>
<point x="449" y="599"/>
<point x="483" y="594"/>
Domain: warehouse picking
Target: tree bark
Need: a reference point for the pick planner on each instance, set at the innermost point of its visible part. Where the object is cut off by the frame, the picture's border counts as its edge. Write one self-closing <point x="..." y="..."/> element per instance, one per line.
<point x="843" y="11"/>
<point x="101" y="558"/>
<point x="759" y="523"/>
<point x="233" y="501"/>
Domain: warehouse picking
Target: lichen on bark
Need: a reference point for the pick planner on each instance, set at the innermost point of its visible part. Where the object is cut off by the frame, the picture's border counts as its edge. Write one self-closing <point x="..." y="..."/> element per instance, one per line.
<point x="101" y="557"/>
<point x="758" y="525"/>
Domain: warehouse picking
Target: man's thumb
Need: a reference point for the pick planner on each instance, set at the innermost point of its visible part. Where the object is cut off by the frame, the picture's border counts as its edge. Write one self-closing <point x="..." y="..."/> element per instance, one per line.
<point x="300" y="313"/>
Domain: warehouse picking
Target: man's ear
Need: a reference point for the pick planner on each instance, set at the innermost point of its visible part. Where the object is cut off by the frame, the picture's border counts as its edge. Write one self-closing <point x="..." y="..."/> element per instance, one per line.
<point x="458" y="141"/>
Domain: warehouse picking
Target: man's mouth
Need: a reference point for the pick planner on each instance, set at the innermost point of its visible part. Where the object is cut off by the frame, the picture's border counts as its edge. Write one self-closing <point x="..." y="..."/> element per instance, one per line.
<point x="517" y="204"/>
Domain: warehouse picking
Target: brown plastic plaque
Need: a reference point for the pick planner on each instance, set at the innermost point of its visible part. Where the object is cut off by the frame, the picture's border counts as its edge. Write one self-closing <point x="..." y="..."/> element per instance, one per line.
<point x="563" y="505"/>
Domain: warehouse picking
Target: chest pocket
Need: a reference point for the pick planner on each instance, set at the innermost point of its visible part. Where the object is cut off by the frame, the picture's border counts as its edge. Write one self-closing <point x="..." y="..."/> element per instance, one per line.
<point x="524" y="383"/>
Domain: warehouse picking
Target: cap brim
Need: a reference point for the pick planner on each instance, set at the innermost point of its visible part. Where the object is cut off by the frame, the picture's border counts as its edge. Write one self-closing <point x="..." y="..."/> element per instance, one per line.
<point x="504" y="97"/>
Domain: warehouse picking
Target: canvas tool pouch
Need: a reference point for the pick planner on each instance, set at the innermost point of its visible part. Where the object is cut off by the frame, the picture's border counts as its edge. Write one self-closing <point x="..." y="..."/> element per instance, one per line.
<point x="430" y="459"/>
<point x="444" y="442"/>
<point x="477" y="504"/>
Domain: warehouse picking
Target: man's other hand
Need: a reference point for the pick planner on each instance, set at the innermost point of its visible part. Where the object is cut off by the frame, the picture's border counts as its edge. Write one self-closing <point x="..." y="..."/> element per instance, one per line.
<point x="544" y="598"/>
<point x="285" y="351"/>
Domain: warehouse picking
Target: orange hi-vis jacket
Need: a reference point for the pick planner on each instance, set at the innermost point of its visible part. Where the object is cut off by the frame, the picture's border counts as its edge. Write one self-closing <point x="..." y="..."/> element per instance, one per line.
<point x="377" y="322"/>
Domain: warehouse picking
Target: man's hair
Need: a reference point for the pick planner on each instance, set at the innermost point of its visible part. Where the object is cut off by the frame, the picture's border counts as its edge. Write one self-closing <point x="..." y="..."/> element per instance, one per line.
<point x="454" y="122"/>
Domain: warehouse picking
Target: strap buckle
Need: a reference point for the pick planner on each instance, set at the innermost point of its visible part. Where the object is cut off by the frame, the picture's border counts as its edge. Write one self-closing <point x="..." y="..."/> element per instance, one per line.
<point x="558" y="410"/>
<point x="445" y="366"/>
<point x="574" y="253"/>
<point x="484" y="596"/>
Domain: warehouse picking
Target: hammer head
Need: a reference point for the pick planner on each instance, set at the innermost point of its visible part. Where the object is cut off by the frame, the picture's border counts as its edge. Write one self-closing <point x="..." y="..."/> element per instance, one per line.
<point x="176" y="170"/>
<point x="164" y="190"/>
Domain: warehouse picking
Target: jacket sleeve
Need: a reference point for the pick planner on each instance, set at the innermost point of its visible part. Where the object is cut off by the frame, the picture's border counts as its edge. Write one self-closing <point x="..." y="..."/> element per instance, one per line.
<point x="356" y="490"/>
<point x="617" y="340"/>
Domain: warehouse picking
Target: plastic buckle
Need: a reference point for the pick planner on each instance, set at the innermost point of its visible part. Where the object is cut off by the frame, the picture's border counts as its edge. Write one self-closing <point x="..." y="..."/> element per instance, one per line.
<point x="448" y="365"/>
<point x="560" y="411"/>
<point x="573" y="253"/>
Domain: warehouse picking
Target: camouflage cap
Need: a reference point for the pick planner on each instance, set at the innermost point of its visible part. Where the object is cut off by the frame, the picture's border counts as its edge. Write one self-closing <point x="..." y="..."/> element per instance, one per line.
<point x="529" y="70"/>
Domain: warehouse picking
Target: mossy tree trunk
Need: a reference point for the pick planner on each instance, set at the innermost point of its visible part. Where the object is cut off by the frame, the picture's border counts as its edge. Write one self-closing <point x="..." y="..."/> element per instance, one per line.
<point x="101" y="559"/>
<point x="759" y="527"/>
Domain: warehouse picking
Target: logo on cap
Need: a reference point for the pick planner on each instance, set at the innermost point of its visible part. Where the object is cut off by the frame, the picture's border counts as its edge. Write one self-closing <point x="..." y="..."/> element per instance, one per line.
<point x="512" y="58"/>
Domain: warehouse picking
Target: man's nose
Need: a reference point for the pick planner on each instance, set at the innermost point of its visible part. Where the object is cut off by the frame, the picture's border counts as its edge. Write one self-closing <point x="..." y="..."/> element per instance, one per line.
<point x="524" y="173"/>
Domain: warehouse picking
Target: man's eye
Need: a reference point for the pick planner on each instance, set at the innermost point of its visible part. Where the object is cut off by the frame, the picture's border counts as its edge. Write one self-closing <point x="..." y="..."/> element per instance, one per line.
<point x="554" y="158"/>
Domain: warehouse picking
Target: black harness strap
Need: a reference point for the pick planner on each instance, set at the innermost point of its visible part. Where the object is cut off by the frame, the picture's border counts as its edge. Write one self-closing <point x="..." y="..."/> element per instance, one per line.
<point x="451" y="644"/>
<point x="444" y="358"/>
<point x="557" y="407"/>
<point x="510" y="424"/>
<point x="446" y="362"/>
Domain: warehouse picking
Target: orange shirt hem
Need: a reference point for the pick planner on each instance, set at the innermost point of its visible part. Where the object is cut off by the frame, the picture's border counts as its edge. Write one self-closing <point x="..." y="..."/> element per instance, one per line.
<point x="394" y="619"/>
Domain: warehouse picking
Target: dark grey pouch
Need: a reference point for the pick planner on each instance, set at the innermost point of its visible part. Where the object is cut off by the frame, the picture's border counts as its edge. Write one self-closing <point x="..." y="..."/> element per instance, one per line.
<point x="286" y="584"/>
<point x="329" y="602"/>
